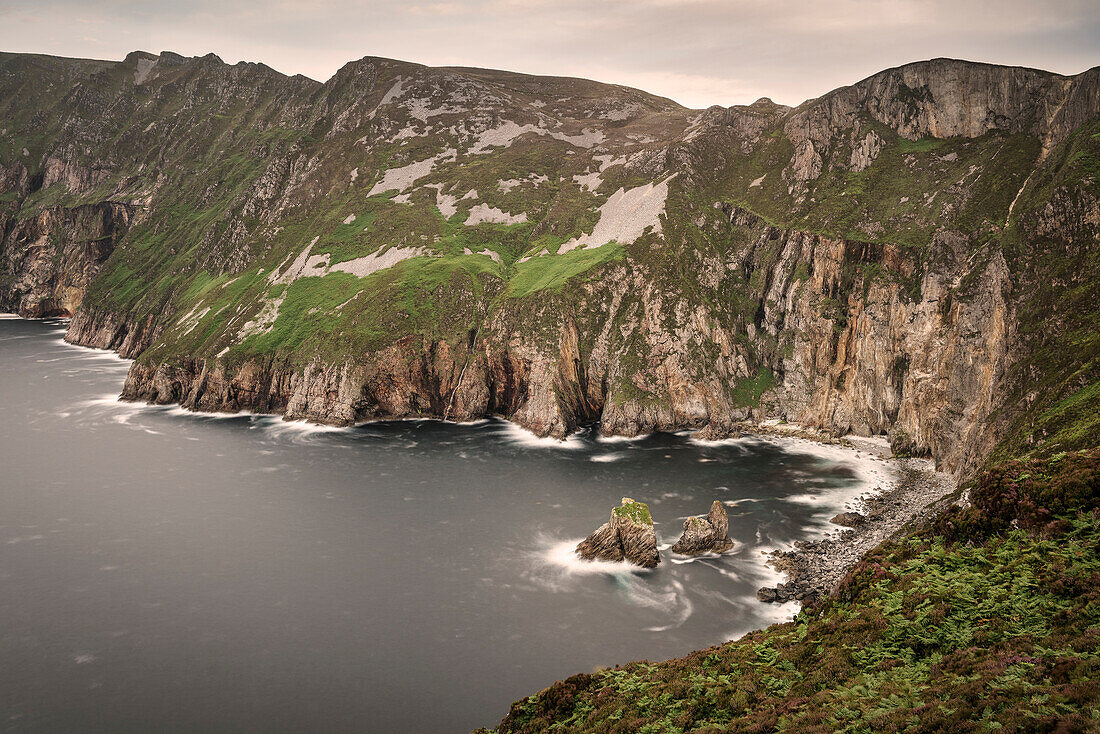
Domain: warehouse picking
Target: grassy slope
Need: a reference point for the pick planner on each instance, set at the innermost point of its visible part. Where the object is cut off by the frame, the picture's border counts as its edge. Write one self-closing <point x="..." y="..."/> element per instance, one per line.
<point x="988" y="620"/>
<point x="1059" y="381"/>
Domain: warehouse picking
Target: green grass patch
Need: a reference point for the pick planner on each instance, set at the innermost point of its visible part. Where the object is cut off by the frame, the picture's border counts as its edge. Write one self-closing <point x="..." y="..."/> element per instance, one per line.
<point x="551" y="271"/>
<point x="748" y="391"/>
<point x="636" y="511"/>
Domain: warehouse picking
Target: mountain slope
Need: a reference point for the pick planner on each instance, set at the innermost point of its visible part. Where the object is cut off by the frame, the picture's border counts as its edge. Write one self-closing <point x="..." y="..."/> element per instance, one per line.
<point x="912" y="254"/>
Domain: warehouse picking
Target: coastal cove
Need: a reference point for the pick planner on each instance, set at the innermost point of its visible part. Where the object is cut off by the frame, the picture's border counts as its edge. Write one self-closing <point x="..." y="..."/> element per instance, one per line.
<point x="218" y="571"/>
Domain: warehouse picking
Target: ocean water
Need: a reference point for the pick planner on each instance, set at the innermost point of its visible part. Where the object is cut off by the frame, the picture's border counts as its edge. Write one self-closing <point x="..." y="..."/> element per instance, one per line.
<point x="168" y="571"/>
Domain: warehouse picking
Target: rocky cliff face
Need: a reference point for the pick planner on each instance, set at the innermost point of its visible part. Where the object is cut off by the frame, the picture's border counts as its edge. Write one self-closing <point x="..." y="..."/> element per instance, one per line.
<point x="409" y="241"/>
<point x="50" y="258"/>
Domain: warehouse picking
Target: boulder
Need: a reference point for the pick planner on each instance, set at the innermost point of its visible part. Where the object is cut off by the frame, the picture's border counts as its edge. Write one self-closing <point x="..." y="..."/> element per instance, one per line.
<point x="629" y="535"/>
<point x="705" y="534"/>
<point x="849" y="519"/>
<point x="769" y="596"/>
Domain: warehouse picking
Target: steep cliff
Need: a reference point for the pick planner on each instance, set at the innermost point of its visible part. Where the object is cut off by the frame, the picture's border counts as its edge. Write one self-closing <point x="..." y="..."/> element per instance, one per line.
<point x="911" y="254"/>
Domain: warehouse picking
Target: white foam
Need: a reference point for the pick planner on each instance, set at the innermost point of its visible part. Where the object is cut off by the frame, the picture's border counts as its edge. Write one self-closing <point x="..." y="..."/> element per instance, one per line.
<point x="870" y="472"/>
<point x="600" y="438"/>
<point x="278" y="427"/>
<point x="675" y="599"/>
<point x="557" y="566"/>
<point x="521" y="435"/>
<point x="177" y="411"/>
<point x="563" y="554"/>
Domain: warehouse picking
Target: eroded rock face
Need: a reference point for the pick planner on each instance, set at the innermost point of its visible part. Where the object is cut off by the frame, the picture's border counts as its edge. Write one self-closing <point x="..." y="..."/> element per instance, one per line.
<point x="602" y="545"/>
<point x="883" y="311"/>
<point x="50" y="260"/>
<point x="628" y="535"/>
<point x="705" y="534"/>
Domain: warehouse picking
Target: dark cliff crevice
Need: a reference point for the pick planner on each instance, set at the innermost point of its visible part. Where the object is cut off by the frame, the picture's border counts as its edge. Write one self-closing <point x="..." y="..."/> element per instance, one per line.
<point x="48" y="261"/>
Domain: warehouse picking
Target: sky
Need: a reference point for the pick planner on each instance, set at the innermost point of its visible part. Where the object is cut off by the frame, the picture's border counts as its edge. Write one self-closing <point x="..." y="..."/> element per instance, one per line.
<point x="698" y="52"/>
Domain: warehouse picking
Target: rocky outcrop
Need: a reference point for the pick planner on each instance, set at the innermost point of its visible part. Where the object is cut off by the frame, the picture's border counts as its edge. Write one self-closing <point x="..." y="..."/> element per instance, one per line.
<point x="941" y="98"/>
<point x="48" y="261"/>
<point x="628" y="535"/>
<point x="926" y="370"/>
<point x="847" y="264"/>
<point x="705" y="534"/>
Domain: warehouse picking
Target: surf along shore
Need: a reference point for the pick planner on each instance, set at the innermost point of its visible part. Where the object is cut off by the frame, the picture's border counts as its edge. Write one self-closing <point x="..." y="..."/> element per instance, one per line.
<point x="914" y="492"/>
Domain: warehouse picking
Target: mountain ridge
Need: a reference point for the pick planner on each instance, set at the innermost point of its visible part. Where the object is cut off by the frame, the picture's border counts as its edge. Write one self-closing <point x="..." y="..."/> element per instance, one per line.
<point x="404" y="240"/>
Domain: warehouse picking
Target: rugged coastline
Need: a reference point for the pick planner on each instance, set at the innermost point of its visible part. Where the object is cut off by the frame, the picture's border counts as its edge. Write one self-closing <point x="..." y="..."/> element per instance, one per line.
<point x="851" y="264"/>
<point x="814" y="569"/>
<point x="916" y="491"/>
<point x="913" y="255"/>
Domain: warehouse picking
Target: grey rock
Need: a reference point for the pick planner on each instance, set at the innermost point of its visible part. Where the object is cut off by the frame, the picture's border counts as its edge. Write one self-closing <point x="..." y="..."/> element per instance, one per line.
<point x="705" y="535"/>
<point x="602" y="545"/>
<point x="767" y="595"/>
<point x="628" y="534"/>
<point x="849" y="519"/>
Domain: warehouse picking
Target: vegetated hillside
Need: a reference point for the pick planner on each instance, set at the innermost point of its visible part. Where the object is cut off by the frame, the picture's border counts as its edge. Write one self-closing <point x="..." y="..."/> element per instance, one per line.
<point x="914" y="254"/>
<point x="988" y="620"/>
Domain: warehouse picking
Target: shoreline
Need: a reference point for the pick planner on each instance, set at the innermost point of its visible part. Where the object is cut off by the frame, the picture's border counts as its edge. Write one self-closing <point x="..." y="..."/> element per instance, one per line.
<point x="811" y="569"/>
<point x="814" y="569"/>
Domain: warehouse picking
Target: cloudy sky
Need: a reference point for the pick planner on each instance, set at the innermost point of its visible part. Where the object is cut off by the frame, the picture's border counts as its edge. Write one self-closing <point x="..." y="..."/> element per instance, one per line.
<point x="699" y="52"/>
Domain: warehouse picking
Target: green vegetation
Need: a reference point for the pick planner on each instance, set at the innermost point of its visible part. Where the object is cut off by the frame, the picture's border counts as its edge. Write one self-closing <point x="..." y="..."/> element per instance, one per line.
<point x="747" y="392"/>
<point x="635" y="511"/>
<point x="1053" y="395"/>
<point x="971" y="625"/>
<point x="227" y="175"/>
<point x="551" y="271"/>
<point x="921" y="145"/>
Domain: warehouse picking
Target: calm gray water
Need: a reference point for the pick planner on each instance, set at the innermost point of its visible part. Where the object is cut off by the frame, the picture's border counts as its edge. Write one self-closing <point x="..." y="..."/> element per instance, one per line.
<point x="165" y="571"/>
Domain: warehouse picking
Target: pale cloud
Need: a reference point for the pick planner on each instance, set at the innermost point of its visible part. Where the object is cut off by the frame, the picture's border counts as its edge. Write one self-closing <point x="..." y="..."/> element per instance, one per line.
<point x="434" y="9"/>
<point x="698" y="52"/>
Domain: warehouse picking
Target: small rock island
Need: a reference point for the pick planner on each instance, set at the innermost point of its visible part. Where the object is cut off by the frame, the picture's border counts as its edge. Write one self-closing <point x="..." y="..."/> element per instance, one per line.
<point x="705" y="534"/>
<point x="628" y="535"/>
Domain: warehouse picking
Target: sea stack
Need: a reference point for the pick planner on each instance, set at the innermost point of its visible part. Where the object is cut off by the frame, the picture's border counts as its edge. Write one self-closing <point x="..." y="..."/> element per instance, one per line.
<point x="705" y="534"/>
<point x="628" y="534"/>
